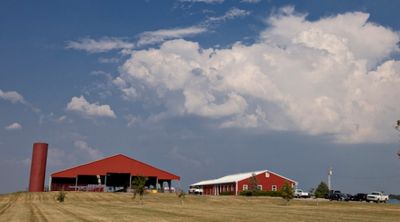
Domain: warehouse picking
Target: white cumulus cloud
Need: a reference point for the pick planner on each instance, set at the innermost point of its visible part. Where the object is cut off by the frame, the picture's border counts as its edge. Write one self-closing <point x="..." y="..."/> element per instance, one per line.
<point x="82" y="106"/>
<point x="12" y="96"/>
<point x="104" y="44"/>
<point x="229" y="15"/>
<point x="92" y="153"/>
<point x="165" y="34"/>
<point x="14" y="126"/>
<point x="203" y="1"/>
<point x="330" y="76"/>
<point x="251" y="1"/>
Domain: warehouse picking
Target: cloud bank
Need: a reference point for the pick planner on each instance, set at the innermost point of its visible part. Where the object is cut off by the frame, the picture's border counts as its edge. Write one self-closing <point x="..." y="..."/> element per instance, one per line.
<point x="330" y="76"/>
<point x="82" y="106"/>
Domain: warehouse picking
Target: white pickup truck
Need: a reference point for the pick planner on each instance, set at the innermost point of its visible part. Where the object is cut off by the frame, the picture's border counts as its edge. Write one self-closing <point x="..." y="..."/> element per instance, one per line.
<point x="195" y="190"/>
<point x="377" y="197"/>
<point x="299" y="193"/>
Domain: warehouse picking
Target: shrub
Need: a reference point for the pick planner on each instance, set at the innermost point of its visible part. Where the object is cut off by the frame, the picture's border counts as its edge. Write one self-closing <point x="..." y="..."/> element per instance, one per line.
<point x="226" y="193"/>
<point x="138" y="184"/>
<point x="246" y="193"/>
<point x="61" y="196"/>
<point x="260" y="193"/>
<point x="181" y="195"/>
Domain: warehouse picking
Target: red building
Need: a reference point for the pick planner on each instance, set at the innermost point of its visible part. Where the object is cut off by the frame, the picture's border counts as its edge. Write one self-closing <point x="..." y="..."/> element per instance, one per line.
<point x="235" y="183"/>
<point x="110" y="174"/>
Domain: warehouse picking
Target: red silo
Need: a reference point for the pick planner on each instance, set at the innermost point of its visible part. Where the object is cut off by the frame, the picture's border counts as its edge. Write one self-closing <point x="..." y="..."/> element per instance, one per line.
<point x="38" y="167"/>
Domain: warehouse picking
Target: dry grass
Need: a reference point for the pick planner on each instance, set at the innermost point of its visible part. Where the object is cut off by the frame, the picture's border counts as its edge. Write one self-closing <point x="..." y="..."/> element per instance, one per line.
<point x="168" y="207"/>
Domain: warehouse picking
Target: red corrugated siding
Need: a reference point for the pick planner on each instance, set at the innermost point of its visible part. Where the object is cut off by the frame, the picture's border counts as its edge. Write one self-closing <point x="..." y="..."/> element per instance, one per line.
<point x="208" y="190"/>
<point x="219" y="188"/>
<point x="266" y="182"/>
<point x="117" y="164"/>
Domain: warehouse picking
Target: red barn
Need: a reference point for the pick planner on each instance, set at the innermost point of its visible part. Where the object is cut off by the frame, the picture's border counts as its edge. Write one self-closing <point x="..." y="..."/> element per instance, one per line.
<point x="110" y="174"/>
<point x="235" y="183"/>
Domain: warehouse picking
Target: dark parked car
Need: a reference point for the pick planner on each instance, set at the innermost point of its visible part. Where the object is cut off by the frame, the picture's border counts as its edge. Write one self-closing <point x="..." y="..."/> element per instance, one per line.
<point x="332" y="194"/>
<point x="348" y="197"/>
<point x="359" y="197"/>
<point x="337" y="195"/>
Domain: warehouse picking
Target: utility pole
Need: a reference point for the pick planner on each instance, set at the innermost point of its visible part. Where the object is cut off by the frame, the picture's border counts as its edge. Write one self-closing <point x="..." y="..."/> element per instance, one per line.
<point x="329" y="178"/>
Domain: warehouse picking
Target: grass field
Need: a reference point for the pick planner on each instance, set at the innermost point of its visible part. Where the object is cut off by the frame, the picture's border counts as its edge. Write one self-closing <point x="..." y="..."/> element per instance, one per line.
<point x="80" y="206"/>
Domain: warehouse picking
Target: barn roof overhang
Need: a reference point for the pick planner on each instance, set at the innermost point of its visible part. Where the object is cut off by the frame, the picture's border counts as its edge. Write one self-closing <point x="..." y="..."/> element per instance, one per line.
<point x="116" y="164"/>
<point x="234" y="178"/>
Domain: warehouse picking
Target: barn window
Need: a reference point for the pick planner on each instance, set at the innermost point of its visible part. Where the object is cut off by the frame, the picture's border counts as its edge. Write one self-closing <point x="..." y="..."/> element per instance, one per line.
<point x="266" y="174"/>
<point x="245" y="187"/>
<point x="274" y="188"/>
<point x="259" y="187"/>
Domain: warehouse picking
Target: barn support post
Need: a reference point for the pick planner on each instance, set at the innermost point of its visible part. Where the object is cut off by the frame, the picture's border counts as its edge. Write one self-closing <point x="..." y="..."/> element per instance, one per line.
<point x="105" y="183"/>
<point x="130" y="181"/>
<point x="169" y="185"/>
<point x="76" y="182"/>
<point x="50" y="183"/>
<point x="161" y="182"/>
<point x="237" y="187"/>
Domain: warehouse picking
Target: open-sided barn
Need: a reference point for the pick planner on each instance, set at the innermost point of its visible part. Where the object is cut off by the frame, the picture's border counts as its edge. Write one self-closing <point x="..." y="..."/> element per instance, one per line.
<point x="235" y="183"/>
<point x="110" y="174"/>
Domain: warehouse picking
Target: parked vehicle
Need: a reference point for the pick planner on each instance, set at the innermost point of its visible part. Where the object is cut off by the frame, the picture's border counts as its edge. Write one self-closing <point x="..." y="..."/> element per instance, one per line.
<point x="195" y="190"/>
<point x="377" y="197"/>
<point x="299" y="193"/>
<point x="347" y="197"/>
<point x="337" y="195"/>
<point x="171" y="190"/>
<point x="332" y="194"/>
<point x="360" y="197"/>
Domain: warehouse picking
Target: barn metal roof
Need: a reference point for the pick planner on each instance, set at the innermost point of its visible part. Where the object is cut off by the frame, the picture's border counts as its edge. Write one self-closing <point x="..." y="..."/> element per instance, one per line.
<point x="116" y="164"/>
<point x="233" y="178"/>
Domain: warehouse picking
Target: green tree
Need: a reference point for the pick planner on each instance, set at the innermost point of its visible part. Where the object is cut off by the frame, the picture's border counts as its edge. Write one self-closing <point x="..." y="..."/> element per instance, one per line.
<point x="322" y="190"/>
<point x="287" y="192"/>
<point x="138" y="184"/>
<point x="253" y="182"/>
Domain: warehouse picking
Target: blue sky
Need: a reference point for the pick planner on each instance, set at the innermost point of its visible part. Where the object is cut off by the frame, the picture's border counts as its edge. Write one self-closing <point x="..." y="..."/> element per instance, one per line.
<point x="204" y="88"/>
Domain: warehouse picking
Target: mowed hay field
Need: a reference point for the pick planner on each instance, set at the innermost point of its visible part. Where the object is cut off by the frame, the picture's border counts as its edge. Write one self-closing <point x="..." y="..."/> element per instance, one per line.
<point x="85" y="206"/>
